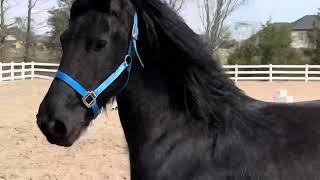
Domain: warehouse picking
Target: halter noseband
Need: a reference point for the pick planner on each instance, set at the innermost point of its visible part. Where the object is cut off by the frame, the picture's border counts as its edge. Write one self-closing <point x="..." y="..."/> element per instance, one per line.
<point x="89" y="97"/>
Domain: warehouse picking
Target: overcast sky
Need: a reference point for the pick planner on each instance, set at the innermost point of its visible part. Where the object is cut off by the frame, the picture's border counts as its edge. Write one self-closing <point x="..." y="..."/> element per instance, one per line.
<point x="255" y="12"/>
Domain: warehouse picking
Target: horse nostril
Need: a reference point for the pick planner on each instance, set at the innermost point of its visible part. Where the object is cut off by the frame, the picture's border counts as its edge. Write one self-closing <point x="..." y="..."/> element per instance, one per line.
<point x="57" y="128"/>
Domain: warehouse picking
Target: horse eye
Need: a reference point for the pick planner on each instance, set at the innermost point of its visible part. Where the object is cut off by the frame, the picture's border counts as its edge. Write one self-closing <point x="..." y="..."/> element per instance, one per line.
<point x="100" y="44"/>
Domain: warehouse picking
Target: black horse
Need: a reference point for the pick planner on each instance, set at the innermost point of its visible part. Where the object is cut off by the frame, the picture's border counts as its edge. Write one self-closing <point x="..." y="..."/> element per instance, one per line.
<point x="182" y="116"/>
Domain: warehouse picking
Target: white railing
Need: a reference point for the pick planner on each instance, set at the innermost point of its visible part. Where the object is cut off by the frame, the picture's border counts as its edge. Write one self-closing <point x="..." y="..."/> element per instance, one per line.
<point x="273" y="72"/>
<point x="15" y="71"/>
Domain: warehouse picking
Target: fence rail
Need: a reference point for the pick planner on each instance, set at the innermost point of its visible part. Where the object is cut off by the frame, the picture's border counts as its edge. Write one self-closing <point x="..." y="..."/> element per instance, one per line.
<point x="273" y="72"/>
<point x="16" y="71"/>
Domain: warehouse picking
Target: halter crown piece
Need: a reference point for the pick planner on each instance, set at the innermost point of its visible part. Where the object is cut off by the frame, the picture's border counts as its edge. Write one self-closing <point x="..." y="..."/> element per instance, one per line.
<point x="89" y="98"/>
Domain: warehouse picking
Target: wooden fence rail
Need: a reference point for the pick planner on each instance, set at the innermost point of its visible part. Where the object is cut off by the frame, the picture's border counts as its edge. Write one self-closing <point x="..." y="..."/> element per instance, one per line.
<point x="16" y="71"/>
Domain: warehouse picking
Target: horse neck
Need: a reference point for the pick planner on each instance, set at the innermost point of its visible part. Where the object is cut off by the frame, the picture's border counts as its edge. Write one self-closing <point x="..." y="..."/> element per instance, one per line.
<point x="150" y="118"/>
<point x="145" y="108"/>
<point x="146" y="117"/>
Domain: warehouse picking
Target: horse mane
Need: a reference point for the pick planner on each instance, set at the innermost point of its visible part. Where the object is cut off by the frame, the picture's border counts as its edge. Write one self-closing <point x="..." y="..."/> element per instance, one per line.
<point x="198" y="81"/>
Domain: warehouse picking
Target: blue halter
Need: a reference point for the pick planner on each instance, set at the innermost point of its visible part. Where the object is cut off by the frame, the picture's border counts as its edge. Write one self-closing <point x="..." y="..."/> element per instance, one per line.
<point x="89" y="97"/>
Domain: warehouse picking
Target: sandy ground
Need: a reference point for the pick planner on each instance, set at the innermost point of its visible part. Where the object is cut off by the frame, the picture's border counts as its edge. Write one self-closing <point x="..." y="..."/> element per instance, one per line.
<point x="301" y="91"/>
<point x="100" y="153"/>
<point x="24" y="153"/>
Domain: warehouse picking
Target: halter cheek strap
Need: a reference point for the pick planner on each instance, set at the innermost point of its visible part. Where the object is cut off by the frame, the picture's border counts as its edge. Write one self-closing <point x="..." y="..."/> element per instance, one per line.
<point x="89" y="98"/>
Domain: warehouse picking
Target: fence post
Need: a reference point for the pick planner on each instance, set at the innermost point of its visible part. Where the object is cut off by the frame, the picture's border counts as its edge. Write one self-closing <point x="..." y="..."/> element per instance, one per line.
<point x="236" y="73"/>
<point x="0" y="71"/>
<point x="12" y="71"/>
<point x="270" y="72"/>
<point x="306" y="78"/>
<point x="22" y="70"/>
<point x="32" y="70"/>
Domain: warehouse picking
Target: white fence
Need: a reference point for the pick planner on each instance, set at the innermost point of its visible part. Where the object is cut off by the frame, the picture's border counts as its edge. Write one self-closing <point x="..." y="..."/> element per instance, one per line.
<point x="15" y="71"/>
<point x="273" y="72"/>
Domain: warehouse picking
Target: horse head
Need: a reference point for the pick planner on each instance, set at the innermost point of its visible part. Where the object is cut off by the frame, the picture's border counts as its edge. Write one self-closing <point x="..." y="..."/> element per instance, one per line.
<point x="98" y="48"/>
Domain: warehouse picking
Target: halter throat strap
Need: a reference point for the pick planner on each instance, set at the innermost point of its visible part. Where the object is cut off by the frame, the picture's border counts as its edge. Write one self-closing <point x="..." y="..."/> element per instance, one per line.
<point x="89" y="98"/>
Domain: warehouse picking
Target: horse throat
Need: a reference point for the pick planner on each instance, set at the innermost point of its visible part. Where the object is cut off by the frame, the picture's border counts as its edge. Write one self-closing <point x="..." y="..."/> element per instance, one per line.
<point x="148" y="122"/>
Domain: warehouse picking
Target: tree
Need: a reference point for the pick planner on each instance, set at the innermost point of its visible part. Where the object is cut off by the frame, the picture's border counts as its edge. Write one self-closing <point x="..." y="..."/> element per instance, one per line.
<point x="19" y="30"/>
<point x="58" y="21"/>
<point x="31" y="5"/>
<point x="175" y="4"/>
<point x="2" y="28"/>
<point x="29" y="34"/>
<point x="247" y="53"/>
<point x="274" y="39"/>
<point x="21" y="23"/>
<point x="271" y="45"/>
<point x="213" y="14"/>
<point x="314" y="37"/>
<point x="3" y="25"/>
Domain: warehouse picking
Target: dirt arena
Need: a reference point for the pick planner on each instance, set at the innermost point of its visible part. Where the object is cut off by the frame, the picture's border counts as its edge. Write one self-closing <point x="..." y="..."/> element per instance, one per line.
<point x="101" y="152"/>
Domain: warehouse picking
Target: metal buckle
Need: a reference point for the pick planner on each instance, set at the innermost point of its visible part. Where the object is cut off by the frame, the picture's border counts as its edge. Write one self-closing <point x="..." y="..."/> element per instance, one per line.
<point x="128" y="60"/>
<point x="89" y="99"/>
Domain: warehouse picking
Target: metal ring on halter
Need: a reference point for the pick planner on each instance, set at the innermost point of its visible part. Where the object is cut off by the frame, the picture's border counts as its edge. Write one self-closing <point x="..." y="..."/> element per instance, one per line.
<point x="128" y="59"/>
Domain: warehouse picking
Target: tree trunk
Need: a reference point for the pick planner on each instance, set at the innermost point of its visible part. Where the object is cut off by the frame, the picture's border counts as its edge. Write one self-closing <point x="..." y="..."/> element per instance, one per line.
<point x="2" y="37"/>
<point x="28" y="37"/>
<point x="2" y="13"/>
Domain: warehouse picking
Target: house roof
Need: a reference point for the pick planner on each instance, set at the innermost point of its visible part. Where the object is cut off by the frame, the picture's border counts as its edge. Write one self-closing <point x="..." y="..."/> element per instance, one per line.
<point x="305" y="23"/>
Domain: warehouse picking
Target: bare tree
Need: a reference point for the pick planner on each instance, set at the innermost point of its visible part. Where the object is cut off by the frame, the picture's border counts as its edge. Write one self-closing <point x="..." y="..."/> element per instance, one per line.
<point x="2" y="34"/>
<point x="175" y="4"/>
<point x="3" y="25"/>
<point x="31" y="6"/>
<point x="213" y="15"/>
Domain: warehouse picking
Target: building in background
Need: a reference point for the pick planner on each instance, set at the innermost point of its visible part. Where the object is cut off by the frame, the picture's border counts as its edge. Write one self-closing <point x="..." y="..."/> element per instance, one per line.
<point x="300" y="30"/>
